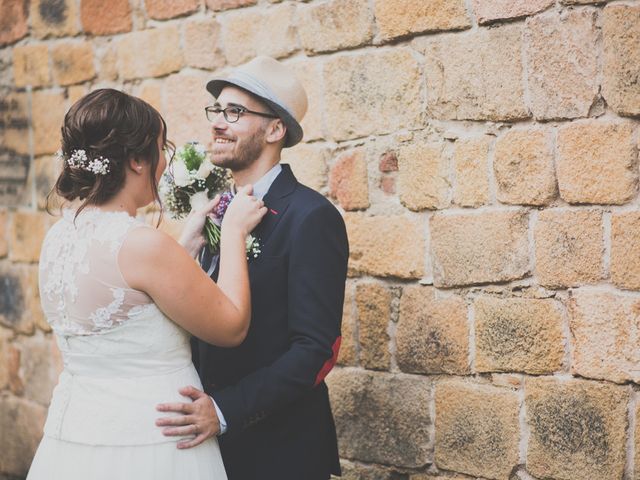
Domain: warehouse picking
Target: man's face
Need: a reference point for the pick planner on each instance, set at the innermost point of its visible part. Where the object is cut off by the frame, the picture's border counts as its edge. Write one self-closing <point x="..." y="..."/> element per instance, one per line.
<point x="237" y="145"/>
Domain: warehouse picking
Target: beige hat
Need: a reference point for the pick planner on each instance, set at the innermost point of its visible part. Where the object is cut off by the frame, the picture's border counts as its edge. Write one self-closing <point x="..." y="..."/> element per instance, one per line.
<point x="275" y="85"/>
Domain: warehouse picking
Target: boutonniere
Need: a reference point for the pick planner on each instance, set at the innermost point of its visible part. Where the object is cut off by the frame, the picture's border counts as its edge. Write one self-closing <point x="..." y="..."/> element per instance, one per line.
<point x="213" y="230"/>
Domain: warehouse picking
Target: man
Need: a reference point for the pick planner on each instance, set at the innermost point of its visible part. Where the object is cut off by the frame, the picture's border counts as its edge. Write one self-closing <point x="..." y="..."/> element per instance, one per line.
<point x="269" y="393"/>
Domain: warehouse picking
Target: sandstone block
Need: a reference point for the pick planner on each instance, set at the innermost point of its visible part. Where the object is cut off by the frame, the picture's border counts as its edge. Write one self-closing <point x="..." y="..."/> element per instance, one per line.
<point x="76" y="92"/>
<point x="47" y="170"/>
<point x="489" y="11"/>
<point x="471" y="170"/>
<point x="202" y="47"/>
<point x="185" y="97"/>
<point x="31" y="65"/>
<point x="433" y="333"/>
<point x="348" y="180"/>
<point x="217" y="5"/>
<point x="423" y="176"/>
<point x="523" y="167"/>
<point x="425" y="476"/>
<point x="309" y="72"/>
<point x="476" y="76"/>
<point x="107" y="61"/>
<point x="47" y="116"/>
<point x="72" y="63"/>
<point x="40" y="366"/>
<point x="625" y="250"/>
<point x="562" y="63"/>
<point x="518" y="335"/>
<point x="27" y="418"/>
<point x="357" y="471"/>
<point x="578" y="428"/>
<point x="106" y="18"/>
<point x="637" y="441"/>
<point x="477" y="429"/>
<point x="388" y="162"/>
<point x="381" y="417"/>
<point x="13" y="23"/>
<point x="20" y="302"/>
<point x="16" y="386"/>
<point x="605" y="332"/>
<point x="348" y="347"/>
<point x="597" y="162"/>
<point x="276" y="37"/>
<point x="163" y="9"/>
<point x="162" y="53"/>
<point x="57" y="18"/>
<point x="370" y="93"/>
<point x="621" y="31"/>
<point x="398" y="18"/>
<point x="479" y="248"/>
<point x="14" y="115"/>
<point x="388" y="185"/>
<point x="308" y="163"/>
<point x="335" y="25"/>
<point x="27" y="233"/>
<point x="581" y="2"/>
<point x="151" y="92"/>
<point x="4" y="228"/>
<point x="5" y="337"/>
<point x="385" y="246"/>
<point x="568" y="247"/>
<point x="373" y="302"/>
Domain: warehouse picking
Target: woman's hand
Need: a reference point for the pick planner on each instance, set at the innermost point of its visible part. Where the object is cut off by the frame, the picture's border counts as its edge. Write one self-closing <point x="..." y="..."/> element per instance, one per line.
<point x="244" y="212"/>
<point x="191" y="238"/>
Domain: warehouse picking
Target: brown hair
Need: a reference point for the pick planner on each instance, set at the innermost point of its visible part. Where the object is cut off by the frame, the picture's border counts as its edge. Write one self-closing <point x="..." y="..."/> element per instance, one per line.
<point x="111" y="124"/>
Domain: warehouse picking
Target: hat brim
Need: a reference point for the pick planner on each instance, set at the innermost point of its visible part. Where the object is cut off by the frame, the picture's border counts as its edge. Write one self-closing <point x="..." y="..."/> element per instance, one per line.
<point x="294" y="130"/>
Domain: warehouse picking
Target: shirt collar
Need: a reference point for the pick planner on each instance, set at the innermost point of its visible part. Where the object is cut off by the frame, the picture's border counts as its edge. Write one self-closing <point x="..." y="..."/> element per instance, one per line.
<point x="262" y="186"/>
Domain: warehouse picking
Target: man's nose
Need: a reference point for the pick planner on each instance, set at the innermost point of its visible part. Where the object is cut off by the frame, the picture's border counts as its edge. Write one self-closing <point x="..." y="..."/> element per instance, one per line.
<point x="219" y="124"/>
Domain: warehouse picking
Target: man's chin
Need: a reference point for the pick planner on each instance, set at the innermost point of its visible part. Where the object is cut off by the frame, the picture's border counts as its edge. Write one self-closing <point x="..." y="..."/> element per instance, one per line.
<point x="222" y="161"/>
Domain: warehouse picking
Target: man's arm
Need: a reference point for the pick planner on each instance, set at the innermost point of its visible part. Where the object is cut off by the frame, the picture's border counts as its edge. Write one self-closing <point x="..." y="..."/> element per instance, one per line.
<point x="317" y="274"/>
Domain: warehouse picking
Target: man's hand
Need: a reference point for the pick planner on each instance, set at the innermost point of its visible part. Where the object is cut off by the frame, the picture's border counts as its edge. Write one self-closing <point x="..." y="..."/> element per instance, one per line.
<point x="198" y="418"/>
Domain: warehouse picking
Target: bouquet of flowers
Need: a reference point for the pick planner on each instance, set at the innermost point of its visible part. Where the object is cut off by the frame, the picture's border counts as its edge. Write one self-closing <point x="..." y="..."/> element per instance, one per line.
<point x="190" y="183"/>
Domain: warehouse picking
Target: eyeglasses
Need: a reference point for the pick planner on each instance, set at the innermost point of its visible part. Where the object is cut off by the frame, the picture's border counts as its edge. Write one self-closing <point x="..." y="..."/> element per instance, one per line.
<point x="232" y="113"/>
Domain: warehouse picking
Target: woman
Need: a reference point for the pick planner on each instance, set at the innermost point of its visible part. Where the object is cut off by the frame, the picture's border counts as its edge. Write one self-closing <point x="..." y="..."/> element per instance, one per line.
<point x="121" y="297"/>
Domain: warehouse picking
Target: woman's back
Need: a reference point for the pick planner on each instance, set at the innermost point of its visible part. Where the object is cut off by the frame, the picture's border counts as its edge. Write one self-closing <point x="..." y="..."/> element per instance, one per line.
<point x="121" y="355"/>
<point x="81" y="287"/>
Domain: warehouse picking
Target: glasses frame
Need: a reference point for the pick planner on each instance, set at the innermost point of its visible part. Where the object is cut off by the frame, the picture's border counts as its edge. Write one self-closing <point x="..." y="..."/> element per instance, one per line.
<point x="241" y="111"/>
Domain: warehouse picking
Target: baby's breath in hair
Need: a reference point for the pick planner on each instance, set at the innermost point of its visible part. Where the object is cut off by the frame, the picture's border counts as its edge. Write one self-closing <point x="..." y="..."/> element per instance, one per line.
<point x="78" y="159"/>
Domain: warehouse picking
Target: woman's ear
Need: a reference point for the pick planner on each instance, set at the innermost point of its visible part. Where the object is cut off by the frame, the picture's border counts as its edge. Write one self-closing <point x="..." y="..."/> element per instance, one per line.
<point x="276" y="131"/>
<point x="136" y="165"/>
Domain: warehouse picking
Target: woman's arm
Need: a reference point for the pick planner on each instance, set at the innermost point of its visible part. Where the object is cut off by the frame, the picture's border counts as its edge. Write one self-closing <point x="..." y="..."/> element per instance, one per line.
<point x="153" y="262"/>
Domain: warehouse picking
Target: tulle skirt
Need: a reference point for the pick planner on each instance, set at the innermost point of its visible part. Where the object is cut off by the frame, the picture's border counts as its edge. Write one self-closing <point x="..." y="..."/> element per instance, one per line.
<point x="60" y="460"/>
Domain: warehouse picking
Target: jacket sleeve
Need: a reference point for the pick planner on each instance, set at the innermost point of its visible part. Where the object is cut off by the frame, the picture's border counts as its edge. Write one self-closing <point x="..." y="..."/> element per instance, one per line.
<point x="317" y="272"/>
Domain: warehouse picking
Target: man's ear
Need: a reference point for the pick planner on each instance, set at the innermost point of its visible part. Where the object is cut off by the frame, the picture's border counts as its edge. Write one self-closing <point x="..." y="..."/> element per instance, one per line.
<point x="276" y="131"/>
<point x="135" y="165"/>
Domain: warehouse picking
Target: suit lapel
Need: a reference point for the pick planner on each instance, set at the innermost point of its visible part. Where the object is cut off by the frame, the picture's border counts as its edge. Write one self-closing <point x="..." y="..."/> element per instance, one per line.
<point x="277" y="201"/>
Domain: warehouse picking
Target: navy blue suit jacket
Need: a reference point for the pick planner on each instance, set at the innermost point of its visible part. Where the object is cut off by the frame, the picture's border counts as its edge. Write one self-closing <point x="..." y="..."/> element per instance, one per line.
<point x="271" y="388"/>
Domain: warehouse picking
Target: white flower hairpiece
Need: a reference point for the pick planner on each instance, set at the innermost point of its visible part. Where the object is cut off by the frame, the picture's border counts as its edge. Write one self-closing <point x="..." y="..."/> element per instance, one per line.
<point x="79" y="159"/>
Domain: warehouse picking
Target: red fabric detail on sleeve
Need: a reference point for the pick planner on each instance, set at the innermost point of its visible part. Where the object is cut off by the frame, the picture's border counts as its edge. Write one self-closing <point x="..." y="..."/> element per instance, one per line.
<point x="328" y="365"/>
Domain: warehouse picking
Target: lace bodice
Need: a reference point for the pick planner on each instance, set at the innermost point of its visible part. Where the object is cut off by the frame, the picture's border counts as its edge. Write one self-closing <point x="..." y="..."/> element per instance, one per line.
<point x="82" y="289"/>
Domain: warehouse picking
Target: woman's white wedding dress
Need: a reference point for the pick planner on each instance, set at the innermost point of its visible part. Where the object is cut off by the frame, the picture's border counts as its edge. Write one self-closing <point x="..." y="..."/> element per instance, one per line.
<point x="122" y="357"/>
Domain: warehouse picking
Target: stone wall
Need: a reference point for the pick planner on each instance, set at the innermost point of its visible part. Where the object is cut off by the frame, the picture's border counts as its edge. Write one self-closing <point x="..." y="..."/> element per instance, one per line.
<point x="485" y="155"/>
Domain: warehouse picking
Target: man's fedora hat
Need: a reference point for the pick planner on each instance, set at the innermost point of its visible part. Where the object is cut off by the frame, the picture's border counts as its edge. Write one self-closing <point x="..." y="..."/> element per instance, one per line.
<point x="276" y="86"/>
